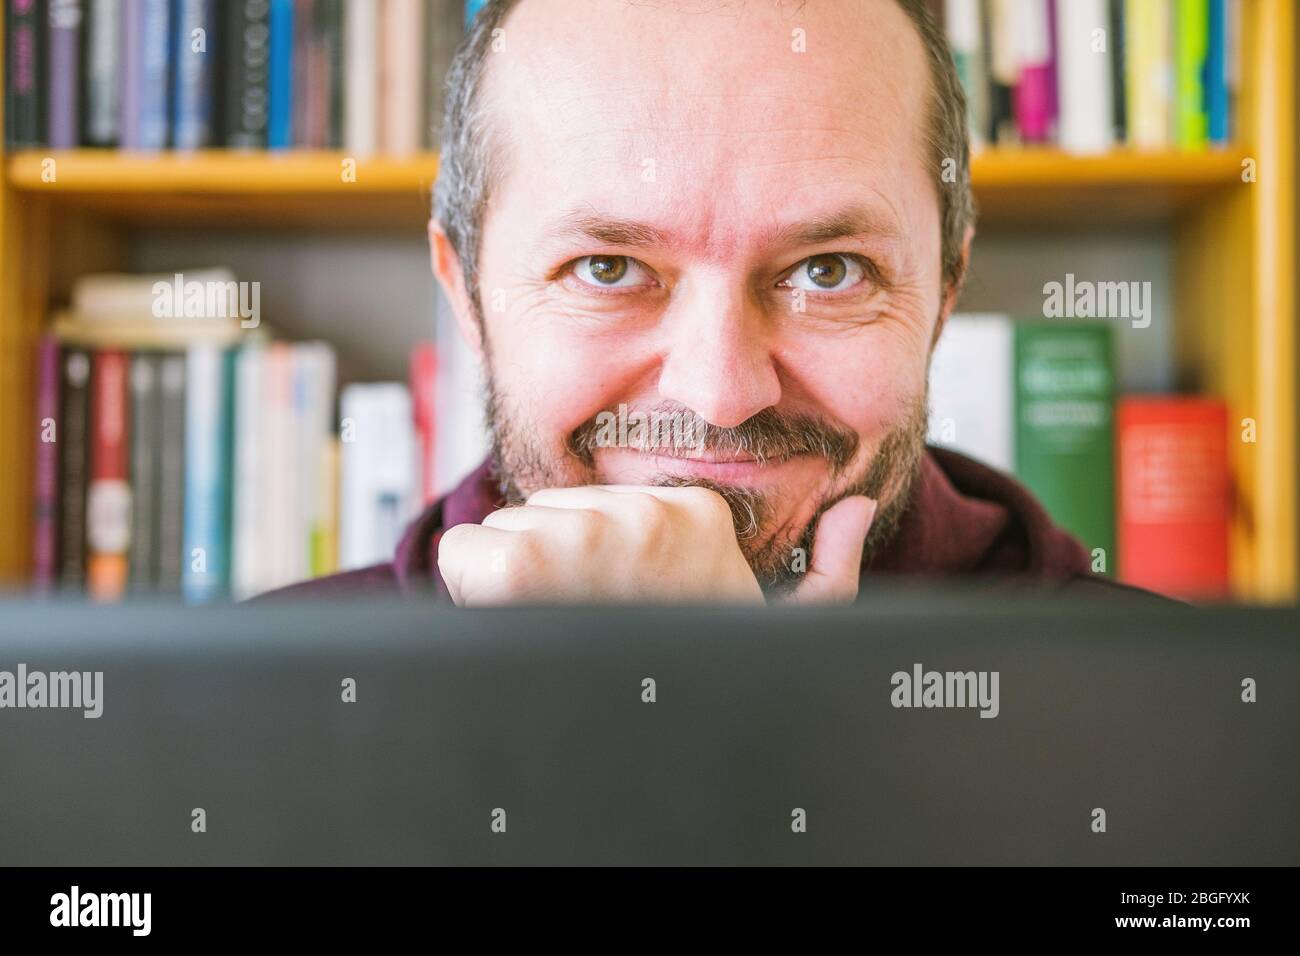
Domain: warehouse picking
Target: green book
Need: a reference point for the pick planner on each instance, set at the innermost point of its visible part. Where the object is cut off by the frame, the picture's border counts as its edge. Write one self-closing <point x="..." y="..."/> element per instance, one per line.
<point x="1065" y="403"/>
<point x="1191" y="51"/>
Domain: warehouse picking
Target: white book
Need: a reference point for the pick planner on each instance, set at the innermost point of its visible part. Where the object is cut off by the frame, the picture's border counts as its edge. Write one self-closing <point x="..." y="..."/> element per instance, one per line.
<point x="360" y="77"/>
<point x="378" y="491"/>
<point x="962" y="23"/>
<point x="972" y="389"/>
<point x="1086" y="115"/>
<point x="248" y="567"/>
<point x="401" y="75"/>
<point x="279" y="460"/>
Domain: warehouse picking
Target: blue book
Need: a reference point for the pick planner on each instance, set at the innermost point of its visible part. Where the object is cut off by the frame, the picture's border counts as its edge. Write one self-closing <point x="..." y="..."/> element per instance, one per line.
<point x="472" y="7"/>
<point x="1216" y="73"/>
<point x="146" y="49"/>
<point x="194" y="33"/>
<point x="279" y="132"/>
<point x="209" y="414"/>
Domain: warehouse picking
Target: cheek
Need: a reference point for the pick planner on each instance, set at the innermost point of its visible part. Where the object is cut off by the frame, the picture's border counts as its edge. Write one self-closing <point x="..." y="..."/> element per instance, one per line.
<point x="866" y="382"/>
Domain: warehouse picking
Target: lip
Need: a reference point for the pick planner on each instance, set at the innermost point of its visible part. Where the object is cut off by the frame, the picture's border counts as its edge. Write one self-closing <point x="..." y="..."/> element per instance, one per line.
<point x="724" y="470"/>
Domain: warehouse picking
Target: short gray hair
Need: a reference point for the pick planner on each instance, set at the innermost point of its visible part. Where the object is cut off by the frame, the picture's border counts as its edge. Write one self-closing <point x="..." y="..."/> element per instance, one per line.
<point x="470" y="167"/>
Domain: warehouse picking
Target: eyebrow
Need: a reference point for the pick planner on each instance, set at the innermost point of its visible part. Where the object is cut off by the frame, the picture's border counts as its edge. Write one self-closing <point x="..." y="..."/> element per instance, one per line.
<point x="855" y="220"/>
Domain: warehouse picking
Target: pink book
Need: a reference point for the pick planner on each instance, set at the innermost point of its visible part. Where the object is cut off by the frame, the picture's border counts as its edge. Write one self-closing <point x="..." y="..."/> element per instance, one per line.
<point x="1035" y="88"/>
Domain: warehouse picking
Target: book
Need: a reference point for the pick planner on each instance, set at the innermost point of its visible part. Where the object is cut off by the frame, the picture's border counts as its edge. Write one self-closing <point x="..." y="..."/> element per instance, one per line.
<point x="24" y="31"/>
<point x="1004" y="71"/>
<point x="45" y="483"/>
<point x="205" y="564"/>
<point x="247" y="75"/>
<point x="401" y="77"/>
<point x="145" y="460"/>
<point x="284" y="546"/>
<point x="74" y="455"/>
<point x="63" y="46"/>
<point x="442" y="37"/>
<point x="424" y="392"/>
<point x="169" y="511"/>
<point x="1174" y="495"/>
<point x="194" y="55"/>
<point x="146" y="48"/>
<point x="1118" y="74"/>
<point x="312" y="365"/>
<point x="971" y="389"/>
<point x="102" y="72"/>
<point x="1147" y="49"/>
<point x="361" y="77"/>
<point x="472" y="7"/>
<point x="1086" y="118"/>
<point x="965" y="40"/>
<point x="249" y="519"/>
<point x="1217" y="96"/>
<point x="377" y="472"/>
<point x="108" y="494"/>
<point x="1064" y="433"/>
<point x="279" y="125"/>
<point x="1035" y="111"/>
<point x="1191" y="48"/>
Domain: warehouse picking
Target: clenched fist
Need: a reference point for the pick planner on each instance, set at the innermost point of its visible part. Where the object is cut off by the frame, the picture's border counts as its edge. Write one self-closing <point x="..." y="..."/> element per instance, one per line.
<point x="624" y="543"/>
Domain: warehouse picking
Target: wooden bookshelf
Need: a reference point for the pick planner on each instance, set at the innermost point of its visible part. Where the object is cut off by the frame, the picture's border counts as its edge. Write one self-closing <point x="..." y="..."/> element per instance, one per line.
<point x="1234" y="246"/>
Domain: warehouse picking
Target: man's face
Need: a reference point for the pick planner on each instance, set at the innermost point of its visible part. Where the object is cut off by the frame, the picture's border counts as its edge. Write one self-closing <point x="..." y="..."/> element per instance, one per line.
<point x="699" y="219"/>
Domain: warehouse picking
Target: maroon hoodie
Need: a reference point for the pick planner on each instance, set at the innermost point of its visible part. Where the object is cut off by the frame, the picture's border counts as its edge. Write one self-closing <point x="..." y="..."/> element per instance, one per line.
<point x="964" y="521"/>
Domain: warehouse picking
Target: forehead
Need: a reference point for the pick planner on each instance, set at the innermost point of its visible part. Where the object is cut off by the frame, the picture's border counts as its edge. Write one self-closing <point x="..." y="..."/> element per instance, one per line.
<point x="699" y="110"/>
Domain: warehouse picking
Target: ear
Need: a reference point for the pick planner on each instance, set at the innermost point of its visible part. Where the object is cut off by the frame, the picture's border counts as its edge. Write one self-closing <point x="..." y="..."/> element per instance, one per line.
<point x="446" y="267"/>
<point x="952" y="291"/>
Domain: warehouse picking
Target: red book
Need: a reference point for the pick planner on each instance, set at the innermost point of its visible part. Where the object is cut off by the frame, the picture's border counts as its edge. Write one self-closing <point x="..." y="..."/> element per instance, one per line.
<point x="1174" y="495"/>
<point x="45" y="487"/>
<point x="108" y="497"/>
<point x="424" y="383"/>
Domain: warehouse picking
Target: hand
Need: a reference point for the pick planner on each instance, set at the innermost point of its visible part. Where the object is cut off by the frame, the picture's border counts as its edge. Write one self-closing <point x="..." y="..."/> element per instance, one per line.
<point x="622" y="543"/>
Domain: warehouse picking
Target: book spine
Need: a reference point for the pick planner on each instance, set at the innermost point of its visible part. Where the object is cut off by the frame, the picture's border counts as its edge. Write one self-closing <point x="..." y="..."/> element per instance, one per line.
<point x="1064" y="428"/>
<point x="64" y="47"/>
<point x="401" y="47"/>
<point x="329" y="25"/>
<point x="1033" y="96"/>
<point x="1216" y="74"/>
<point x="23" y="74"/>
<point x="102" y="72"/>
<point x="1174" y="496"/>
<point x="279" y="460"/>
<point x="472" y="7"/>
<point x="962" y="25"/>
<point x="1086" y="119"/>
<point x="144" y="471"/>
<point x="146" y="60"/>
<point x="247" y="39"/>
<point x="306" y="84"/>
<point x="1147" y="33"/>
<point x="1004" y="70"/>
<point x="1191" y="47"/>
<point x="45" y="485"/>
<point x="195" y="59"/>
<point x="1118" y="73"/>
<point x="279" y="130"/>
<point x="74" y="441"/>
<point x="313" y="406"/>
<point x="205" y="555"/>
<point x="108" y="499"/>
<point x="248" y="557"/>
<point x="169" y="506"/>
<point x="361" y="77"/>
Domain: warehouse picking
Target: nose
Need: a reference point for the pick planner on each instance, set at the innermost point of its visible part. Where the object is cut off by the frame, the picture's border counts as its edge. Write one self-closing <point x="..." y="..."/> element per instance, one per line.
<point x="718" y="361"/>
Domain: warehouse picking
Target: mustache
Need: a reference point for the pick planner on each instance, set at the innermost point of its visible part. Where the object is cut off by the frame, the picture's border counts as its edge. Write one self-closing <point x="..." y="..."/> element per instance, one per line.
<point x="670" y="428"/>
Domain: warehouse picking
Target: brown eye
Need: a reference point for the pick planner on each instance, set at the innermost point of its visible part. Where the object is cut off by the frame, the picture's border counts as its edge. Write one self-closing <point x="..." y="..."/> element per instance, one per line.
<point x="607" y="269"/>
<point x="827" y="271"/>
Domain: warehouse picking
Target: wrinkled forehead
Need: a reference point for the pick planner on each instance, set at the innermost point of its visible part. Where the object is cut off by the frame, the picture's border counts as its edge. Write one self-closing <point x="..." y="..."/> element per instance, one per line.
<point x="602" y="95"/>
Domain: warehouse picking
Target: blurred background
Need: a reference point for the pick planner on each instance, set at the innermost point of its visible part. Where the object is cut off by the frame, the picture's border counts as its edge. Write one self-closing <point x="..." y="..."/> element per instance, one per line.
<point x="225" y="365"/>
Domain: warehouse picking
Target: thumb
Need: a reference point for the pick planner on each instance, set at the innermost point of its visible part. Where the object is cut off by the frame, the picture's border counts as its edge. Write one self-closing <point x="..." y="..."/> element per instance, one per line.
<point x="837" y="553"/>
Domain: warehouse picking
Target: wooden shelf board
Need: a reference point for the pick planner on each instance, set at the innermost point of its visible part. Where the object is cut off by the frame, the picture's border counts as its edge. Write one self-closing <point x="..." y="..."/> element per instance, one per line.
<point x="1028" y="187"/>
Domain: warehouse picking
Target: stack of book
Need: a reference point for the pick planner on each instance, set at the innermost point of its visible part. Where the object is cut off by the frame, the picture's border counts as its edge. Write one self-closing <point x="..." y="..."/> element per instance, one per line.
<point x="182" y="450"/>
<point x="1089" y="75"/>
<point x="361" y="75"/>
<point x="1142" y="481"/>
